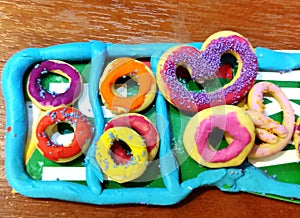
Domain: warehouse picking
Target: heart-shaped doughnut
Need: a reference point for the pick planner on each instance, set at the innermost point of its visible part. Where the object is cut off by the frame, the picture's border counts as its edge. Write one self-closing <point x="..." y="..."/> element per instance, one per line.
<point x="203" y="66"/>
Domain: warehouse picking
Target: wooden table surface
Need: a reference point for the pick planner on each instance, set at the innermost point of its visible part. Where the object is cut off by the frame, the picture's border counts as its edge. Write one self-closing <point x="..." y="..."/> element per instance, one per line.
<point x="39" y="23"/>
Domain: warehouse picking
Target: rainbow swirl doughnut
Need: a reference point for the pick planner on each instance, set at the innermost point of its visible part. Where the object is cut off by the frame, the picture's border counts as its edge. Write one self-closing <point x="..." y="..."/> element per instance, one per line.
<point x="202" y="66"/>
<point x="143" y="126"/>
<point x="239" y="134"/>
<point x="122" y="171"/>
<point x="48" y="125"/>
<point x="274" y="136"/>
<point x="135" y="70"/>
<point x="45" y="99"/>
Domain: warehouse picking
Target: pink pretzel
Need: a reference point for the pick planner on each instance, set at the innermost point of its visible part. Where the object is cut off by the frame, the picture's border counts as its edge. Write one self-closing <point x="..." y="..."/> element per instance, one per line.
<point x="274" y="136"/>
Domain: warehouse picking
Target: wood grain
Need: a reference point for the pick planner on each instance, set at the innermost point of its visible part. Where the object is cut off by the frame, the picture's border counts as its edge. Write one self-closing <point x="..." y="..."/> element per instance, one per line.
<point x="38" y="23"/>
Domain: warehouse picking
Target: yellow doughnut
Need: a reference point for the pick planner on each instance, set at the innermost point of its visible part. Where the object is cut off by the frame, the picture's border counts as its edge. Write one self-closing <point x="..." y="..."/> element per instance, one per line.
<point x="143" y="126"/>
<point x="239" y="133"/>
<point x="133" y="168"/>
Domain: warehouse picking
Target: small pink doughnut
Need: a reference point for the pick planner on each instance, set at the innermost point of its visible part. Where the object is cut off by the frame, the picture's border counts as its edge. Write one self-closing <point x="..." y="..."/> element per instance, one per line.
<point x="283" y="132"/>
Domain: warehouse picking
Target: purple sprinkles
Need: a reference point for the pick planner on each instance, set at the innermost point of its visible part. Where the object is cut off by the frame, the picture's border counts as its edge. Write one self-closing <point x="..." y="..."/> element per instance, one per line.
<point x="203" y="66"/>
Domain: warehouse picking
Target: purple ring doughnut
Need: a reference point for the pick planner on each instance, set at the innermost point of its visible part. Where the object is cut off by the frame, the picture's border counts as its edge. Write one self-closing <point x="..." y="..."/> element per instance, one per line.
<point x="45" y="99"/>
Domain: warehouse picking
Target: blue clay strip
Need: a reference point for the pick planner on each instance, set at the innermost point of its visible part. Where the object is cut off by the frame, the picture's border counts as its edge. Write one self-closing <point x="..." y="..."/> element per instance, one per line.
<point x="269" y="60"/>
<point x="168" y="165"/>
<point x="208" y="177"/>
<point x="136" y="51"/>
<point x="243" y="178"/>
<point x="16" y="117"/>
<point x="94" y="177"/>
<point x="94" y="174"/>
<point x="76" y="51"/>
<point x="248" y="178"/>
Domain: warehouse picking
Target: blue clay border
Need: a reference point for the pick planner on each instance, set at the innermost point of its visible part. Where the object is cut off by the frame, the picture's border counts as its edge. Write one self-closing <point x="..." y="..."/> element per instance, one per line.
<point x="244" y="178"/>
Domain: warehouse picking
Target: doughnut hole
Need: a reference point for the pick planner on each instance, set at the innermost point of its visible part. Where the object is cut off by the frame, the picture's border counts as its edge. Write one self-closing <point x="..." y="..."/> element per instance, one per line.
<point x="216" y="139"/>
<point x="61" y="133"/>
<point x="228" y="68"/>
<point x="184" y="76"/>
<point x="120" y="152"/>
<point x="271" y="104"/>
<point x="126" y="86"/>
<point x="54" y="82"/>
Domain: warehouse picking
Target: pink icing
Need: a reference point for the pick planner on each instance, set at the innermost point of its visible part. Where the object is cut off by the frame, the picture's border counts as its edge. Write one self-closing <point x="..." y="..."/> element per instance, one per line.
<point x="266" y="87"/>
<point x="203" y="65"/>
<point x="228" y="123"/>
<point x="140" y="125"/>
<point x="256" y="104"/>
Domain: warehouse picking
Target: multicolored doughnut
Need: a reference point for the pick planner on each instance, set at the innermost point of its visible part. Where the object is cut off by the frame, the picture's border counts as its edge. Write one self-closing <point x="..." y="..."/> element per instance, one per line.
<point x="135" y="70"/>
<point x="239" y="133"/>
<point x="274" y="136"/>
<point x="125" y="171"/>
<point x="202" y="66"/>
<point x="143" y="126"/>
<point x="47" y="126"/>
<point x="45" y="99"/>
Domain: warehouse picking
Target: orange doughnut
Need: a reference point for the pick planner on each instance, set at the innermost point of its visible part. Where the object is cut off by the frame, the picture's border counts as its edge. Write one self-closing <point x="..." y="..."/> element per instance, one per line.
<point x="136" y="70"/>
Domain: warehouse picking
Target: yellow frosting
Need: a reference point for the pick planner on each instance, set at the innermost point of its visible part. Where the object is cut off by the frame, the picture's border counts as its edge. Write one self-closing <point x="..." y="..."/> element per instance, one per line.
<point x="118" y="172"/>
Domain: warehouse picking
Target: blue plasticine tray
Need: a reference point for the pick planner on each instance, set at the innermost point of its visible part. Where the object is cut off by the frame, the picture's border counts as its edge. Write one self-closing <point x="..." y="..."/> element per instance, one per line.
<point x="173" y="175"/>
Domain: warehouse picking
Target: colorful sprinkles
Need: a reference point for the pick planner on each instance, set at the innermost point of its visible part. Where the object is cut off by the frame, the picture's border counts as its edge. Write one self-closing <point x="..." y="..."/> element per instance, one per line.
<point x="203" y="67"/>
